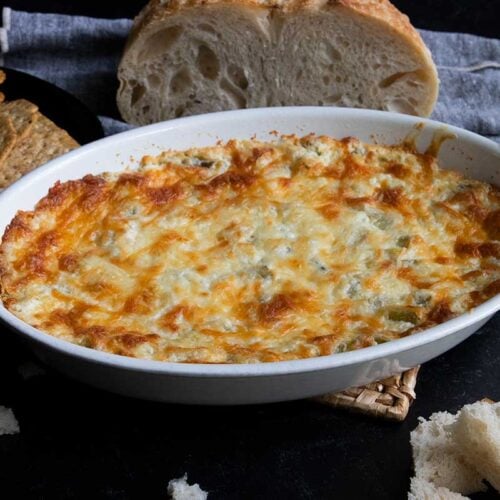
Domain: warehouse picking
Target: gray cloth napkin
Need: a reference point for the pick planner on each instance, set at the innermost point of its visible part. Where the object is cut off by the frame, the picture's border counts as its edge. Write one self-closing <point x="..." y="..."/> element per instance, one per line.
<point x="81" y="54"/>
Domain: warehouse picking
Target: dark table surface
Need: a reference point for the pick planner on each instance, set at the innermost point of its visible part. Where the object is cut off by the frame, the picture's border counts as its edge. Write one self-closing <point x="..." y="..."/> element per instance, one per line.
<point x="77" y="442"/>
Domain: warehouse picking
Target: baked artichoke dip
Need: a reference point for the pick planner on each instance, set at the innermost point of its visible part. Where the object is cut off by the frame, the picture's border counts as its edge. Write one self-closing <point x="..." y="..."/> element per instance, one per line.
<point x="254" y="252"/>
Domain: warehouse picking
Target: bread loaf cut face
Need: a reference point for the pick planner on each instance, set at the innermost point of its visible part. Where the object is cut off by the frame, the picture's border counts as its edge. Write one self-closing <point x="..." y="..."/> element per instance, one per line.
<point x="189" y="57"/>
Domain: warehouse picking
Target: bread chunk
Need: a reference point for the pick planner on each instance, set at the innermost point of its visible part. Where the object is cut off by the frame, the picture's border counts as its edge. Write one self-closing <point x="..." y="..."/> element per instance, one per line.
<point x="191" y="57"/>
<point x="438" y="460"/>
<point x="457" y="452"/>
<point x="420" y="489"/>
<point x="476" y="433"/>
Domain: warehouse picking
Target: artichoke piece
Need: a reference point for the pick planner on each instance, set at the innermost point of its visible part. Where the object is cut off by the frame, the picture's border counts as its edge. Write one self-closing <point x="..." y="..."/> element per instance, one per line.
<point x="206" y="163"/>
<point x="380" y="220"/>
<point x="347" y="345"/>
<point x="403" y="241"/>
<point x="422" y="298"/>
<point x="264" y="272"/>
<point x="199" y="161"/>
<point x="404" y="314"/>
<point x="393" y="253"/>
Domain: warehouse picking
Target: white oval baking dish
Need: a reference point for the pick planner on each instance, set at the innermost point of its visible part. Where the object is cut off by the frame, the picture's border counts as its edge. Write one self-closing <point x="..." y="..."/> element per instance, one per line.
<point x="254" y="383"/>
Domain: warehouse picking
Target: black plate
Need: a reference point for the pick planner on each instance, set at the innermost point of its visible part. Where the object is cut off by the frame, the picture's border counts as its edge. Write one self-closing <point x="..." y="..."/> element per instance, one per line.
<point x="61" y="107"/>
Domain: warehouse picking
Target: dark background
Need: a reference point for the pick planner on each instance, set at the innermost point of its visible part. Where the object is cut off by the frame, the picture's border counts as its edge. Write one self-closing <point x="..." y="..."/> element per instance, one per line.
<point x="479" y="17"/>
<point x="80" y="443"/>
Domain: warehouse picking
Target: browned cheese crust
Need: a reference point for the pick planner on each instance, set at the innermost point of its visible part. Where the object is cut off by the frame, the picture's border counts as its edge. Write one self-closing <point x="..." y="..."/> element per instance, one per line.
<point x="254" y="252"/>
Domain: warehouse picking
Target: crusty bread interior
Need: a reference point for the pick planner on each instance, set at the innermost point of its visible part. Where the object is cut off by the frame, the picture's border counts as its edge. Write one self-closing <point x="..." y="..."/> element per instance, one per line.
<point x="420" y="489"/>
<point x="477" y="433"/>
<point x="437" y="459"/>
<point x="235" y="55"/>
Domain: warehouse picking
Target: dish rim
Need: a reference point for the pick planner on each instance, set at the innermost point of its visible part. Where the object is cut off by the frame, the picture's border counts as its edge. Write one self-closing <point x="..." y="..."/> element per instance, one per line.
<point x="236" y="370"/>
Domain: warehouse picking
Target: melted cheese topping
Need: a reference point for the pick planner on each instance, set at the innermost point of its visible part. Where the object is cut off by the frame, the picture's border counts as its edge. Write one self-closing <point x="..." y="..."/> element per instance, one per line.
<point x="253" y="252"/>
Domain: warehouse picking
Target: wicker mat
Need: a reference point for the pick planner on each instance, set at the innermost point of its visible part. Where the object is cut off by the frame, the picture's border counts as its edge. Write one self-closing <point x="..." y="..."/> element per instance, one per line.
<point x="389" y="399"/>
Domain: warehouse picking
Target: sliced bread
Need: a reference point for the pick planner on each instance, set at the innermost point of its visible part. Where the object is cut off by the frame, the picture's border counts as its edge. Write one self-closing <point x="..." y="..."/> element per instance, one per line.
<point x="187" y="57"/>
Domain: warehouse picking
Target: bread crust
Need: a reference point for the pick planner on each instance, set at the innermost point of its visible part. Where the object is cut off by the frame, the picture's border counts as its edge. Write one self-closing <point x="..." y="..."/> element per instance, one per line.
<point x="382" y="10"/>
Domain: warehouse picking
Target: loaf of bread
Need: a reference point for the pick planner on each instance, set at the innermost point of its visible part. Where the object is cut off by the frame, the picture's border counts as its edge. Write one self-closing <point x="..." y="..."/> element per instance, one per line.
<point x="186" y="57"/>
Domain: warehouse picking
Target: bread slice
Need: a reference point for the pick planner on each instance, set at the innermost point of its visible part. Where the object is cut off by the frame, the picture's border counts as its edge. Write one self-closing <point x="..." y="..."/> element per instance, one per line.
<point x="476" y="433"/>
<point x="420" y="489"/>
<point x="179" y="489"/>
<point x="437" y="458"/>
<point x="187" y="57"/>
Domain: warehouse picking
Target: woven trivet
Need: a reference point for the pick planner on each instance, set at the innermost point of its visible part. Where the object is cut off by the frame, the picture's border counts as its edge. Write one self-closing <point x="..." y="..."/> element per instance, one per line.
<point x="390" y="398"/>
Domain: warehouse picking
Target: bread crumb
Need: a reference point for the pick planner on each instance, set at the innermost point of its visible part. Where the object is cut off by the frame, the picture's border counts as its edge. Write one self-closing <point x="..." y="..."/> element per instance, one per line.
<point x="30" y="370"/>
<point x="8" y="422"/>
<point x="179" y="489"/>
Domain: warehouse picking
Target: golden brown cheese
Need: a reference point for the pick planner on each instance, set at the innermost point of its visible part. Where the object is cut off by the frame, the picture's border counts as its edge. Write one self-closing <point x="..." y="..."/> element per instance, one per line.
<point x="252" y="252"/>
